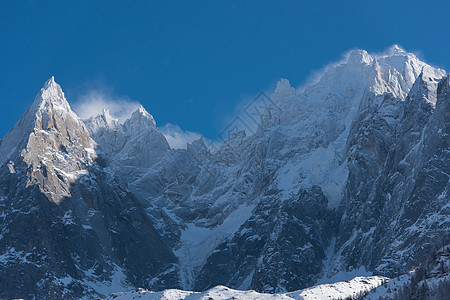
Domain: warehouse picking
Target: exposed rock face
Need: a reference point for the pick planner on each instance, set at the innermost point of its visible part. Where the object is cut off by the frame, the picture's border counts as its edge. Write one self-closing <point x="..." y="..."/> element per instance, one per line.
<point x="52" y="141"/>
<point x="279" y="239"/>
<point x="66" y="225"/>
<point x="400" y="204"/>
<point x="349" y="173"/>
<point x="346" y="154"/>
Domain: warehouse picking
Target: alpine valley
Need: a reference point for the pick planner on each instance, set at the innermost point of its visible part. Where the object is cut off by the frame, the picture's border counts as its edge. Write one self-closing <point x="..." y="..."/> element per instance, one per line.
<point x="345" y="177"/>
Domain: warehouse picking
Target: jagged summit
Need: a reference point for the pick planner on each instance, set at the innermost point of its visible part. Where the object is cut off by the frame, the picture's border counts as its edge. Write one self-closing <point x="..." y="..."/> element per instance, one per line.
<point x="139" y="121"/>
<point x="283" y="88"/>
<point x="51" y="96"/>
<point x="424" y="89"/>
<point x="106" y="114"/>
<point x="142" y="111"/>
<point x="396" y="49"/>
<point x="49" y="137"/>
<point x="64" y="214"/>
<point x="102" y="121"/>
<point x="50" y="100"/>
<point x="49" y="82"/>
<point x="137" y="143"/>
<point x="343" y="176"/>
<point x="358" y="56"/>
<point x="394" y="71"/>
<point x="142" y="114"/>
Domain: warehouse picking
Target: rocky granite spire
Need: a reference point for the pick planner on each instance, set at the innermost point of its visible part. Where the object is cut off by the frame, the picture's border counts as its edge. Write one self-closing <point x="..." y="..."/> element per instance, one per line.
<point x="348" y="176"/>
<point x="51" y="141"/>
<point x="64" y="217"/>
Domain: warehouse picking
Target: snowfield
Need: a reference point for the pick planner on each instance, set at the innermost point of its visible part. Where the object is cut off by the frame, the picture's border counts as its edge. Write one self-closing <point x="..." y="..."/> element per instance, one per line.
<point x="343" y="179"/>
<point x="339" y="290"/>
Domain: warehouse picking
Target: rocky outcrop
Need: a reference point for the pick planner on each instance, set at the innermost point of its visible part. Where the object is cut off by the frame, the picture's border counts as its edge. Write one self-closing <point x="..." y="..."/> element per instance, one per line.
<point x="349" y="174"/>
<point x="66" y="225"/>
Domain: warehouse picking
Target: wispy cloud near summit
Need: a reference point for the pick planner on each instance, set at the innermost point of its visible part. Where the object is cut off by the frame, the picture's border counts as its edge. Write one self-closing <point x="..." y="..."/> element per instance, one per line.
<point x="177" y="137"/>
<point x="93" y="102"/>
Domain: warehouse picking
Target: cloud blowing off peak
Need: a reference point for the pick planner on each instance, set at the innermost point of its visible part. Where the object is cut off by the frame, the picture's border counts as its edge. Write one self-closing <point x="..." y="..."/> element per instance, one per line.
<point x="93" y="103"/>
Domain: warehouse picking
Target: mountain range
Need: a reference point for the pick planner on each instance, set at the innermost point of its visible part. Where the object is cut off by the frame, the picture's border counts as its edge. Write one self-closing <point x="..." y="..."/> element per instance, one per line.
<point x="347" y="176"/>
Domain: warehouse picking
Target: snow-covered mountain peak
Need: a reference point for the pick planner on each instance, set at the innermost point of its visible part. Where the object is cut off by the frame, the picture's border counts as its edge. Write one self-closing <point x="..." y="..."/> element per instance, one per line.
<point x="283" y="84"/>
<point x="107" y="115"/>
<point x="320" y="116"/>
<point x="396" y="49"/>
<point x="109" y="119"/>
<point x="283" y="90"/>
<point x="49" y="117"/>
<point x="52" y="142"/>
<point x="141" y="112"/>
<point x="134" y="145"/>
<point x="197" y="144"/>
<point x="341" y="178"/>
<point x="140" y="120"/>
<point x="51" y="111"/>
<point x="49" y="82"/>
<point x="102" y="120"/>
<point x="399" y="70"/>
<point x="51" y="95"/>
<point x="358" y="57"/>
<point x="350" y="74"/>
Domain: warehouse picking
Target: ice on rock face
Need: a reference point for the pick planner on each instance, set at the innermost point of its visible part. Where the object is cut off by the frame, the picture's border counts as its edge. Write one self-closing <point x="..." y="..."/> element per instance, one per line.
<point x="71" y="221"/>
<point x="198" y="149"/>
<point x="139" y="120"/>
<point x="102" y="121"/>
<point x="356" y="58"/>
<point x="131" y="147"/>
<point x="52" y="93"/>
<point x="283" y="90"/>
<point x="309" y="144"/>
<point x="399" y="69"/>
<point x="49" y="118"/>
<point x="327" y="168"/>
<point x="425" y="88"/>
<point x="52" y="140"/>
<point x="15" y="139"/>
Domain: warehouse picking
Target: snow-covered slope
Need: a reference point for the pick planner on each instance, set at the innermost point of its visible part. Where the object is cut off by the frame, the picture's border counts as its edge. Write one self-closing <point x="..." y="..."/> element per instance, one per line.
<point x="356" y="287"/>
<point x="67" y="228"/>
<point x="286" y="180"/>
<point x="296" y="172"/>
<point x="132" y="147"/>
<point x="347" y="176"/>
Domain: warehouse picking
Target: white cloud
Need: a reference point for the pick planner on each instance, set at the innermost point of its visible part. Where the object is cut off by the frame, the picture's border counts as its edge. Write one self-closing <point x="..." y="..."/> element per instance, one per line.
<point x="92" y="104"/>
<point x="178" y="138"/>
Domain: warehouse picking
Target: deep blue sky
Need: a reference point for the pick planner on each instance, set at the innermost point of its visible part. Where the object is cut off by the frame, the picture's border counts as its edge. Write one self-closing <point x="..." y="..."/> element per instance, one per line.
<point x="191" y="62"/>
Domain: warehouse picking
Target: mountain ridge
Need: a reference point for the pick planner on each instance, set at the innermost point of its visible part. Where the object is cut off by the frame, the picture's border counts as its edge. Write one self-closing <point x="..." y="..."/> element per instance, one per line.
<point x="311" y="194"/>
